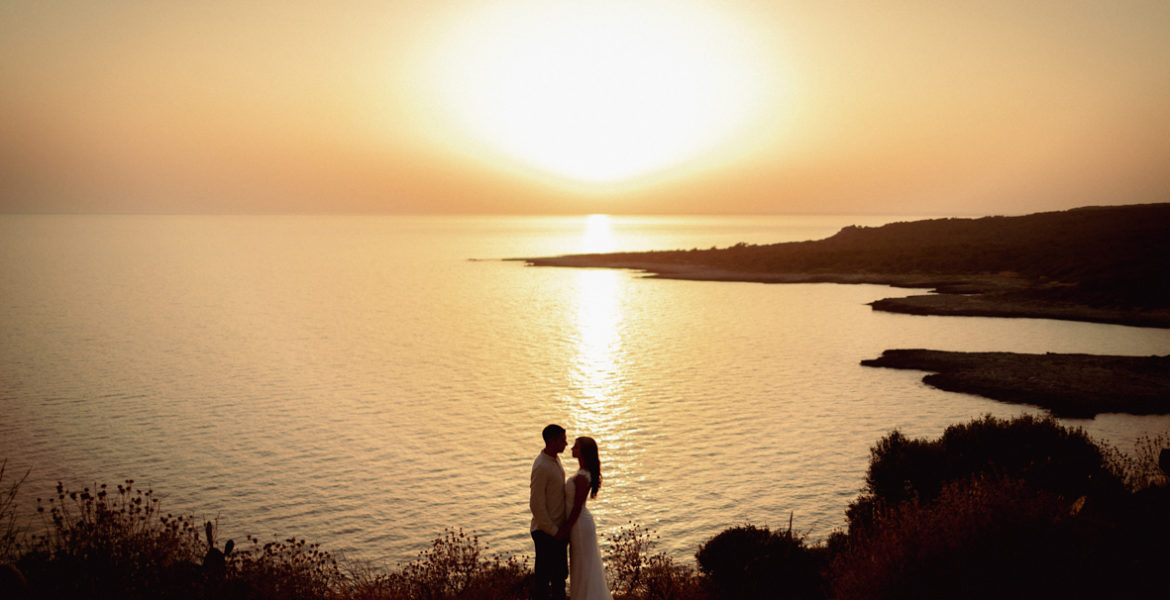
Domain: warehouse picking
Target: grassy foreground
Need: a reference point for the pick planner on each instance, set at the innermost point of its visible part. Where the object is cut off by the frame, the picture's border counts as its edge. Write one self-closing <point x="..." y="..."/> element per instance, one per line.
<point x="1020" y="508"/>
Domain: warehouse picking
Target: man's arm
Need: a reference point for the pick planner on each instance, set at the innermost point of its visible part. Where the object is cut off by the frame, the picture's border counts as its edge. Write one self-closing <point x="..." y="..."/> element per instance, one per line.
<point x="538" y="502"/>
<point x="580" y="491"/>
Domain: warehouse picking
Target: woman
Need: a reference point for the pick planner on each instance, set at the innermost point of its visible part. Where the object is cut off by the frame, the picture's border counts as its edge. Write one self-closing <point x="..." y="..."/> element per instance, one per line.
<point x="586" y="573"/>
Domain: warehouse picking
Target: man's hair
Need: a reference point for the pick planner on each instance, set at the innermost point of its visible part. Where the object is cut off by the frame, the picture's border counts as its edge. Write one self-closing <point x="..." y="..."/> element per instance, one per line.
<point x="552" y="432"/>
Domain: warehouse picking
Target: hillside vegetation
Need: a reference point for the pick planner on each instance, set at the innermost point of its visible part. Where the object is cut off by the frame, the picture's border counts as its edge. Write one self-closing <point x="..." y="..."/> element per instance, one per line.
<point x="1019" y="508"/>
<point x="1115" y="257"/>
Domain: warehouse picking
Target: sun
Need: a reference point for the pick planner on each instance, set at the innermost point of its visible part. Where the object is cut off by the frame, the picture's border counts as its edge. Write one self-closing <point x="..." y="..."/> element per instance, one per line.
<point x="602" y="91"/>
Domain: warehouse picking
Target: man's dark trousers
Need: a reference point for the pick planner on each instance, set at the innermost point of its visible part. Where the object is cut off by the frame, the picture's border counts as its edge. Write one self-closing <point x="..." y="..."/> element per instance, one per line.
<point x="552" y="567"/>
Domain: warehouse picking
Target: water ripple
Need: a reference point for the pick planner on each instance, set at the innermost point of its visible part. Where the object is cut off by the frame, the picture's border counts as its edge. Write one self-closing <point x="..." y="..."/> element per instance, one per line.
<point x="283" y="377"/>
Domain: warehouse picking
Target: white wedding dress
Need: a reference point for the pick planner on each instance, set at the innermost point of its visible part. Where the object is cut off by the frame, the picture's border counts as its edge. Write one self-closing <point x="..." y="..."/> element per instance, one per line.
<point x="586" y="571"/>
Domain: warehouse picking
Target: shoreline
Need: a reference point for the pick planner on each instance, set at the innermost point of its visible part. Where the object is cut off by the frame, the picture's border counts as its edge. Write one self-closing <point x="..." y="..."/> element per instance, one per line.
<point x="1067" y="385"/>
<point x="1092" y="264"/>
<point x="1001" y="296"/>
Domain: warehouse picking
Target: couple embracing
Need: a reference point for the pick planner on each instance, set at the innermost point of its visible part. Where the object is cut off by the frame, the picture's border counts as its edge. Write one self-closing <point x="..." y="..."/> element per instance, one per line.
<point x="559" y="518"/>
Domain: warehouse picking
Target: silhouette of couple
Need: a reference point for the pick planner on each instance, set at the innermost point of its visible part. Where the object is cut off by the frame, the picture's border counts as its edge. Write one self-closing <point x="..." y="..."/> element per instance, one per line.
<point x="559" y="518"/>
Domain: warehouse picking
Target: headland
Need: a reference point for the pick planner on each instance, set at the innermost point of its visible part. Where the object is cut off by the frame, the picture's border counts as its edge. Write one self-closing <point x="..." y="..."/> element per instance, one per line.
<point x="1097" y="264"/>
<point x="1106" y="264"/>
<point x="1068" y="385"/>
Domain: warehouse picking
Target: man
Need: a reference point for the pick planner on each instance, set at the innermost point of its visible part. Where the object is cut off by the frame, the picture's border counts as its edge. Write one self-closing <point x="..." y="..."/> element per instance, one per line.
<point x="547" y="500"/>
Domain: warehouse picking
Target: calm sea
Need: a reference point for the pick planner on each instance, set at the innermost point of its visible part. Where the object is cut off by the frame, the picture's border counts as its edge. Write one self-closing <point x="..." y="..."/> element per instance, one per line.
<point x="366" y="382"/>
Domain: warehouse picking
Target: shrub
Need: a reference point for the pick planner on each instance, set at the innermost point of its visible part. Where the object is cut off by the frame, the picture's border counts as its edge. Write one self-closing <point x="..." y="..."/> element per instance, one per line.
<point x="986" y="537"/>
<point x="1038" y="450"/>
<point x="636" y="572"/>
<point x="281" y="569"/>
<point x="1005" y="508"/>
<point x="118" y="544"/>
<point x="105" y="544"/>
<point x="454" y="567"/>
<point x="8" y="491"/>
<point x="1142" y="469"/>
<point x="102" y="543"/>
<point x="750" y="562"/>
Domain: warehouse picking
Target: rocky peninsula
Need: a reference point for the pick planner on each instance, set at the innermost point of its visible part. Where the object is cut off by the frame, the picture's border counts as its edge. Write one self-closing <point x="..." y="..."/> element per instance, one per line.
<point x="1068" y="385"/>
<point x="1105" y="264"/>
<point x="1098" y="264"/>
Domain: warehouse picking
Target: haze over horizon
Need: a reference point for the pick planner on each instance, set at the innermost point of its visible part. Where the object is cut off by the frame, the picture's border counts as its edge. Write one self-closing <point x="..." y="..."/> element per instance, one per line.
<point x="559" y="107"/>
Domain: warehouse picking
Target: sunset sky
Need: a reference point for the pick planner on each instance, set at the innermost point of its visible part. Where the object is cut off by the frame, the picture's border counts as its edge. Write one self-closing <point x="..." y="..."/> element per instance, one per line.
<point x="599" y="106"/>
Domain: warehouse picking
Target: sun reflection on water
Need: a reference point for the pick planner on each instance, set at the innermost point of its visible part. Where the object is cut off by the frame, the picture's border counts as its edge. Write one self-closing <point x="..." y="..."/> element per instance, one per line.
<point x="597" y="399"/>
<point x="598" y="371"/>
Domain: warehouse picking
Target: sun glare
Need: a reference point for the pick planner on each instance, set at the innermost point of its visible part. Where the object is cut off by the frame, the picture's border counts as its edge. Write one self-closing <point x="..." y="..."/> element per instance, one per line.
<point x="598" y="234"/>
<point x="601" y="91"/>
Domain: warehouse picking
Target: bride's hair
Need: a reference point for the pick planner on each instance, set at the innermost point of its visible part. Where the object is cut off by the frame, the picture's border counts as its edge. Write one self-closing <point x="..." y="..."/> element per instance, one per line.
<point x="588" y="449"/>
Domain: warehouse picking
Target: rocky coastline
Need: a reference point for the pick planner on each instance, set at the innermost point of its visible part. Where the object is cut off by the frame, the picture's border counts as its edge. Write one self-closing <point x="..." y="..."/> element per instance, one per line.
<point x="1092" y="264"/>
<point x="1068" y="385"/>
<point x="955" y="296"/>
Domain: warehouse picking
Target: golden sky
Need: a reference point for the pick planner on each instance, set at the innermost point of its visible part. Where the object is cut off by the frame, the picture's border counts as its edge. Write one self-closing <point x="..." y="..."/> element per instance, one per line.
<point x="611" y="106"/>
